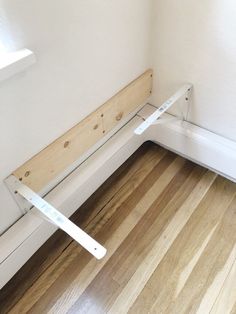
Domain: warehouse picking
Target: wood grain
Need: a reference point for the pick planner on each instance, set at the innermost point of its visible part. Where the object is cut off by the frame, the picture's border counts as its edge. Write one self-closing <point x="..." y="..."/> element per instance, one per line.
<point x="227" y="297"/>
<point x="169" y="226"/>
<point x="41" y="169"/>
<point x="185" y="251"/>
<point x="58" y="245"/>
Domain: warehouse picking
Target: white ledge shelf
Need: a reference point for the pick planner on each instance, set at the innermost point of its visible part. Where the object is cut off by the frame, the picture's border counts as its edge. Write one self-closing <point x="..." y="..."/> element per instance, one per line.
<point x="12" y="63"/>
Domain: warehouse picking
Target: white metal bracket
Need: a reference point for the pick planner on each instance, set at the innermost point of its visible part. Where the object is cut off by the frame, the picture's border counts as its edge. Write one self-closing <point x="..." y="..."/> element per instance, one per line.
<point x="154" y="118"/>
<point x="28" y="198"/>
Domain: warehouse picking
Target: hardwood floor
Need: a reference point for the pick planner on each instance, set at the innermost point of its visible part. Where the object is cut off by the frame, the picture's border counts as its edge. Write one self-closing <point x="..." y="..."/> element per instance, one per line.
<point x="170" y="229"/>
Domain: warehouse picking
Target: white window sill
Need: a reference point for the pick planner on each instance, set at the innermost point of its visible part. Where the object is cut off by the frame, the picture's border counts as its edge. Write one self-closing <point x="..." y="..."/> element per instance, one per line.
<point x="12" y="63"/>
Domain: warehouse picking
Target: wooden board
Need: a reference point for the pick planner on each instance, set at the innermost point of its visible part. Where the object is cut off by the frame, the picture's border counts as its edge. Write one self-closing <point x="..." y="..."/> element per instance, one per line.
<point x="50" y="162"/>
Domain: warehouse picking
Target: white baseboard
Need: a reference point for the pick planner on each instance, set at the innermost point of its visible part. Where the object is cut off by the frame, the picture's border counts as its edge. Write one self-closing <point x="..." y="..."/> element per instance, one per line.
<point x="194" y="143"/>
<point x="24" y="238"/>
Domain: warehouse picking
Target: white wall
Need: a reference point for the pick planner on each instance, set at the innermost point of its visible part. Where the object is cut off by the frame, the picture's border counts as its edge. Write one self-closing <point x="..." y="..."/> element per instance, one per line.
<point x="86" y="51"/>
<point x="195" y="41"/>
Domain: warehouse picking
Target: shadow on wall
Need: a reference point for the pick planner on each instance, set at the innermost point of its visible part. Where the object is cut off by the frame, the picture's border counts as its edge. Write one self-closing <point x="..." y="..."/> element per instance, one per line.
<point x="6" y="42"/>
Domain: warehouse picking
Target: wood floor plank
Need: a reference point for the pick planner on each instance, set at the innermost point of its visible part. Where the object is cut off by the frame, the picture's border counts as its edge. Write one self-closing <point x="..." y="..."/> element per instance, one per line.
<point x="140" y="163"/>
<point x="147" y="154"/>
<point x="140" y="278"/>
<point x="205" y="282"/>
<point x="107" y="220"/>
<point x="173" y="271"/>
<point x="217" y="284"/>
<point x="227" y="297"/>
<point x="112" y="221"/>
<point x="135" y="247"/>
<point x="165" y="214"/>
<point x="60" y="245"/>
<point x="169" y="227"/>
<point x="74" y="291"/>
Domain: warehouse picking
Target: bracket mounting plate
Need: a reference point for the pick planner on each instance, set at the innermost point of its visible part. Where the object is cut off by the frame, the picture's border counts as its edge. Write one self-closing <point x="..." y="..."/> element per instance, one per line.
<point x="153" y="119"/>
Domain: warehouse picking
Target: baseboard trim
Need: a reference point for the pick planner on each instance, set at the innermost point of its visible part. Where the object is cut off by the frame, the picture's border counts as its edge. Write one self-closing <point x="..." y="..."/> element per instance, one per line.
<point x="194" y="143"/>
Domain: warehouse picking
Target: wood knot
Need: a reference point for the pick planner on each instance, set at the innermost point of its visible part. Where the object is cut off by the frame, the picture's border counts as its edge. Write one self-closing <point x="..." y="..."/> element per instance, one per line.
<point x="66" y="144"/>
<point x="119" y="116"/>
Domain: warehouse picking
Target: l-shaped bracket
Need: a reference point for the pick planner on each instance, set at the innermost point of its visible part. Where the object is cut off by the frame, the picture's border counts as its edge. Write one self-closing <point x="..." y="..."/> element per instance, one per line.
<point x="153" y="119"/>
<point x="54" y="216"/>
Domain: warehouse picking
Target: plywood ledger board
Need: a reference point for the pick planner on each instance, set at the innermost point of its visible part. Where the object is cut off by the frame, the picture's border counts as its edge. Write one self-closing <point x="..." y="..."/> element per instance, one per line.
<point x="50" y="162"/>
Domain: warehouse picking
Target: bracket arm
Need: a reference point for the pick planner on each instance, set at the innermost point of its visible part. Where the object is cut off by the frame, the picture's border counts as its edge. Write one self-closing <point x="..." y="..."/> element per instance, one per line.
<point x="159" y="112"/>
<point x="55" y="217"/>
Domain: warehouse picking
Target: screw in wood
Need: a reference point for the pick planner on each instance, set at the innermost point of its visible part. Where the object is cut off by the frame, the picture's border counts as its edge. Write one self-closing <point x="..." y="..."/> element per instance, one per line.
<point x="27" y="174"/>
<point x="95" y="127"/>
